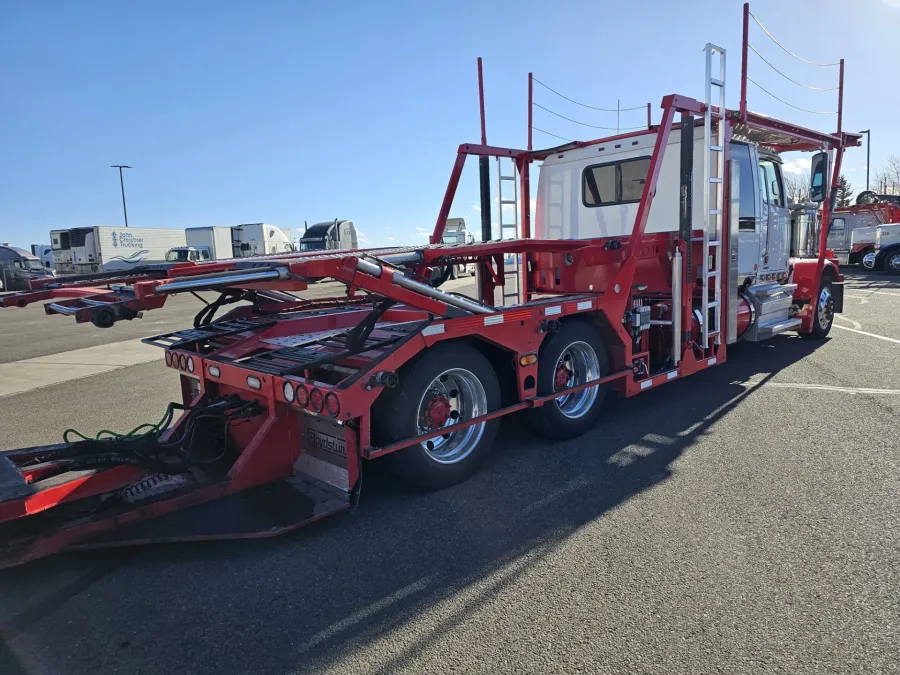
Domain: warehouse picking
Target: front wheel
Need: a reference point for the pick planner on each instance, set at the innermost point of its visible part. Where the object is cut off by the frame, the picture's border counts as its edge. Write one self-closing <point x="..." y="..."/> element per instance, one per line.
<point x="448" y="384"/>
<point x="573" y="356"/>
<point x="824" y="313"/>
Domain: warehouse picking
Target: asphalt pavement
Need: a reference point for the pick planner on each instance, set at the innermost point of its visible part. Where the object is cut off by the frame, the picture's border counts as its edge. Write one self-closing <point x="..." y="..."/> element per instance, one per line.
<point x="743" y="520"/>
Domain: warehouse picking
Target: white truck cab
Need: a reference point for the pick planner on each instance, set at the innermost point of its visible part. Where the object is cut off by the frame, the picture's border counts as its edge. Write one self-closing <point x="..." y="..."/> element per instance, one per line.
<point x="886" y="255"/>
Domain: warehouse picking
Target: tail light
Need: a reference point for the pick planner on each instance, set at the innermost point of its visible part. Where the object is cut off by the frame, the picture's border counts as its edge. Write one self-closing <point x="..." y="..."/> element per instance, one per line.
<point x="302" y="396"/>
<point x="190" y="364"/>
<point x="169" y="357"/>
<point x="332" y="404"/>
<point x="288" y="391"/>
<point x="316" y="400"/>
<point x="182" y="361"/>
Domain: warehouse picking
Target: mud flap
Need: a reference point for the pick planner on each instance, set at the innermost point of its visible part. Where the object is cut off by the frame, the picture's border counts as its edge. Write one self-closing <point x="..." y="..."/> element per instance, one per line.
<point x="837" y="290"/>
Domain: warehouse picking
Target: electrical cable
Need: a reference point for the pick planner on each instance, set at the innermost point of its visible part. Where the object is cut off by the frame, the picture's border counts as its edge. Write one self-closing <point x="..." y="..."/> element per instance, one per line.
<point x="799" y="84"/>
<point x="585" y="105"/>
<point x="562" y="138"/>
<point x="799" y="58"/>
<point x="797" y="107"/>
<point x="593" y="126"/>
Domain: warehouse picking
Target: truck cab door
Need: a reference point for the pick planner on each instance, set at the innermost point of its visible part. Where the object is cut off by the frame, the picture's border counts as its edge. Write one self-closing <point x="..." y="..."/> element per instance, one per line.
<point x="748" y="220"/>
<point x="774" y="242"/>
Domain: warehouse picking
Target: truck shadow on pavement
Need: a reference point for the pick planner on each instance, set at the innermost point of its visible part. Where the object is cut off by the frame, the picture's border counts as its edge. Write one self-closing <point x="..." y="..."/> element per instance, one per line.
<point x="304" y="602"/>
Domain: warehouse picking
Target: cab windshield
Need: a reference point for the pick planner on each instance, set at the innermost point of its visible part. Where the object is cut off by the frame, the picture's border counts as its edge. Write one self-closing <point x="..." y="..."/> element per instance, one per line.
<point x="35" y="265"/>
<point x="312" y="245"/>
<point x="177" y="256"/>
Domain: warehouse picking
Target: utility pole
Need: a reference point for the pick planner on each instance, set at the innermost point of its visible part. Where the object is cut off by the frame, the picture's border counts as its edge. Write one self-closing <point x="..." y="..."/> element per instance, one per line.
<point x="122" y="184"/>
<point x="868" y="134"/>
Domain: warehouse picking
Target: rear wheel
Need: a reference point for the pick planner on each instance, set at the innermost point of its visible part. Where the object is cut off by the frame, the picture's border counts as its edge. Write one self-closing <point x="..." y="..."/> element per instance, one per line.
<point x="892" y="262"/>
<point x="571" y="357"/>
<point x="447" y="385"/>
<point x="824" y="313"/>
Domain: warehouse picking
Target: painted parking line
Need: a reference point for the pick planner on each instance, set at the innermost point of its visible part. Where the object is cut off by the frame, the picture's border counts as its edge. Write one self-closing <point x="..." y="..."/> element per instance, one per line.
<point x="862" y="332"/>
<point x="17" y="377"/>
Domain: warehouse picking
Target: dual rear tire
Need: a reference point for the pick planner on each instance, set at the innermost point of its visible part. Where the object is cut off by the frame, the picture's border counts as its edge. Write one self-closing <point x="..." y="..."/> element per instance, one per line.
<point x="455" y="382"/>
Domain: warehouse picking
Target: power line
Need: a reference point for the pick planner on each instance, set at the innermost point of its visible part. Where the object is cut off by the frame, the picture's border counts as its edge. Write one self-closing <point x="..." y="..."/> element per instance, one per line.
<point x="799" y="58"/>
<point x="593" y="126"/>
<point x="585" y="105"/>
<point x="799" y="84"/>
<point x="562" y="138"/>
<point x="814" y="112"/>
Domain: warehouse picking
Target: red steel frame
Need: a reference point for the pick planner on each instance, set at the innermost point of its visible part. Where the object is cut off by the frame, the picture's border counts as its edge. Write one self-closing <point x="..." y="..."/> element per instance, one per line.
<point x="599" y="283"/>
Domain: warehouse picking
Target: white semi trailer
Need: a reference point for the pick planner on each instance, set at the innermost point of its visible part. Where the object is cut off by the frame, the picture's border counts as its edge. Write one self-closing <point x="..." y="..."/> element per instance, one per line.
<point x="82" y="250"/>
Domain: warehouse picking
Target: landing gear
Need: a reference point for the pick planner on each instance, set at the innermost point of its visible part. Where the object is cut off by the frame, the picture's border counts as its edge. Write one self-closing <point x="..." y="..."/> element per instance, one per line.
<point x="573" y="356"/>
<point x="449" y="384"/>
<point x="824" y="313"/>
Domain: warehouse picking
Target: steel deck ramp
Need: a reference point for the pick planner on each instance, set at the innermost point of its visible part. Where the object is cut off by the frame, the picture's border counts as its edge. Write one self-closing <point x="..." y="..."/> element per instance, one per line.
<point x="212" y="331"/>
<point x="328" y="349"/>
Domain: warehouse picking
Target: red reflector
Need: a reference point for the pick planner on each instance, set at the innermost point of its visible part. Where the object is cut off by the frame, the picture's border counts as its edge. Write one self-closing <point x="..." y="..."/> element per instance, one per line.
<point x="182" y="361"/>
<point x="316" y="400"/>
<point x="332" y="404"/>
<point x="302" y="396"/>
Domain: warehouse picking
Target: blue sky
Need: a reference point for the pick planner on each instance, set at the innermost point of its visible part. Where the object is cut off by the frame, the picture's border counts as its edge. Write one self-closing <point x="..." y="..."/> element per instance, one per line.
<point x="281" y="112"/>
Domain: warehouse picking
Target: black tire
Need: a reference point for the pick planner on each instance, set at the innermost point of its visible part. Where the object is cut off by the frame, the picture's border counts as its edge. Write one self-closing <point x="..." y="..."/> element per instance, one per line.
<point x="822" y="326"/>
<point x="396" y="417"/>
<point x="550" y="419"/>
<point x="891" y="262"/>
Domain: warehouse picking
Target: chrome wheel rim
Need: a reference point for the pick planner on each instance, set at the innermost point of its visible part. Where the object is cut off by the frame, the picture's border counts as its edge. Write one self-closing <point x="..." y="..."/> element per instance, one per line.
<point x="826" y="308"/>
<point x="454" y="396"/>
<point x="869" y="261"/>
<point x="577" y="365"/>
<point x="893" y="264"/>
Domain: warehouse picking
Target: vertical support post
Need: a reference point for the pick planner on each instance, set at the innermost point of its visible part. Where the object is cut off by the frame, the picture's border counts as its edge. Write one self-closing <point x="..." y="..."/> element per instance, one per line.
<point x="530" y="106"/>
<point x="840" y="110"/>
<point x="685" y="229"/>
<point x="744" y="62"/>
<point x="481" y="103"/>
<point x="649" y="117"/>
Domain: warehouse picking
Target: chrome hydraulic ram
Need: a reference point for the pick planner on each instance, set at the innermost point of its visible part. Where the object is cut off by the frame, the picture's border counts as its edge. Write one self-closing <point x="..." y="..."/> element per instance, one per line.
<point x="224" y="279"/>
<point x="375" y="270"/>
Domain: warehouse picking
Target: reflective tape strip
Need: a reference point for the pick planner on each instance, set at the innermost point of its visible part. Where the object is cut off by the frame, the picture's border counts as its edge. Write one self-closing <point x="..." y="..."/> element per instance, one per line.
<point x="585" y="304"/>
<point x="646" y="384"/>
<point x="551" y="311"/>
<point x="493" y="319"/>
<point x="433" y="329"/>
<point x="672" y="375"/>
<point x="711" y="362"/>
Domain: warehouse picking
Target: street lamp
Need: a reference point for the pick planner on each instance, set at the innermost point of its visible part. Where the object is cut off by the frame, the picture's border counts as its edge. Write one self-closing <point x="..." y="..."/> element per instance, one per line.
<point x="122" y="184"/>
<point x="868" y="153"/>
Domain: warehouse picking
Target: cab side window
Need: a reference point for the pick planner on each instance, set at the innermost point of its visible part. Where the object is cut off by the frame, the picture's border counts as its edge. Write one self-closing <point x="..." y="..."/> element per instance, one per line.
<point x="837" y="225"/>
<point x="747" y="204"/>
<point x="772" y="173"/>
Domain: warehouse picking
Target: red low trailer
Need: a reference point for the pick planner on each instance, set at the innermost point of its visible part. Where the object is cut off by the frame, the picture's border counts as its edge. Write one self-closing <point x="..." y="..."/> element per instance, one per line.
<point x="283" y="399"/>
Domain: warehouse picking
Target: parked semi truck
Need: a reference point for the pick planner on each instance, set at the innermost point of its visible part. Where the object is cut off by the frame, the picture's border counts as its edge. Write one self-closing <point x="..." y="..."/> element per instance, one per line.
<point x="18" y="268"/>
<point x="852" y="233"/>
<point x="255" y="239"/>
<point x="45" y="253"/>
<point x="331" y="235"/>
<point x="455" y="234"/>
<point x="83" y="250"/>
<point x="204" y="243"/>
<point x="885" y="253"/>
<point x="656" y="251"/>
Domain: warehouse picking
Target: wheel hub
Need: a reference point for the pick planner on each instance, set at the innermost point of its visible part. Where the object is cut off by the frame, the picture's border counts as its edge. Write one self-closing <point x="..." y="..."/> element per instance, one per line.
<point x="562" y="377"/>
<point x="437" y="412"/>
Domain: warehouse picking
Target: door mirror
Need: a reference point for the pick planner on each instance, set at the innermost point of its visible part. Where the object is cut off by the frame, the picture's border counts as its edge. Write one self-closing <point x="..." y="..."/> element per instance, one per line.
<point x="818" y="177"/>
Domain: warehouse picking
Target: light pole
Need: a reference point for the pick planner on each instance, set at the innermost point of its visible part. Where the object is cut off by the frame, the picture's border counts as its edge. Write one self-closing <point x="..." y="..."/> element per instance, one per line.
<point x="868" y="153"/>
<point x="122" y="184"/>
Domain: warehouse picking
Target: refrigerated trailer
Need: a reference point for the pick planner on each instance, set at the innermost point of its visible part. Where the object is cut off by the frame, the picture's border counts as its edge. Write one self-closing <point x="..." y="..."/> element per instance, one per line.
<point x="656" y="251"/>
<point x="83" y="250"/>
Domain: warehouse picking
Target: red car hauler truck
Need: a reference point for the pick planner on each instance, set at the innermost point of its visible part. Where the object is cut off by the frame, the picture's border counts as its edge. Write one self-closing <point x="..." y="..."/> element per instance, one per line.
<point x="655" y="251"/>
